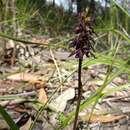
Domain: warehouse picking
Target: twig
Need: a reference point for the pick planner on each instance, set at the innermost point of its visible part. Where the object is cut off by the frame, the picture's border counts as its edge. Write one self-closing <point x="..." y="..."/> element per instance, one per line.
<point x="16" y="101"/>
<point x="58" y="71"/>
<point x="21" y="40"/>
<point x="116" y="98"/>
<point x="19" y="95"/>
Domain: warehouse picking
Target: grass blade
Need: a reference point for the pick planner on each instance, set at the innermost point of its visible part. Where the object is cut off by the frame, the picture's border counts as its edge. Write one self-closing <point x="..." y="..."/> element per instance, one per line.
<point x="8" y="119"/>
<point x="121" y="8"/>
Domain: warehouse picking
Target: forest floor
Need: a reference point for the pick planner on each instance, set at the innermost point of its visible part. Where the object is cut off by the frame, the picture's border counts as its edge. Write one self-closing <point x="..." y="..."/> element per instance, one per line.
<point x="51" y="76"/>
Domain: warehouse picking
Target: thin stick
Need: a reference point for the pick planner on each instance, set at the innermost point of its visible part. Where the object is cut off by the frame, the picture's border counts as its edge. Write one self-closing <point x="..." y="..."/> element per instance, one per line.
<point x="79" y="94"/>
<point x="58" y="70"/>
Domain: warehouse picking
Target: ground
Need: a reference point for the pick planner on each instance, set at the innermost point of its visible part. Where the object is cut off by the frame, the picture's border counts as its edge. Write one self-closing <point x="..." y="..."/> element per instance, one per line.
<point x="50" y="77"/>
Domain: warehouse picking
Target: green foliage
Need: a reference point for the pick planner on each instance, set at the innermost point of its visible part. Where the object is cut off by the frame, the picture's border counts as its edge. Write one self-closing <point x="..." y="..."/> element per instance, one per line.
<point x="8" y="119"/>
<point x="56" y="20"/>
<point x="99" y="94"/>
<point x="114" y="16"/>
<point x="38" y="17"/>
<point x="1" y="5"/>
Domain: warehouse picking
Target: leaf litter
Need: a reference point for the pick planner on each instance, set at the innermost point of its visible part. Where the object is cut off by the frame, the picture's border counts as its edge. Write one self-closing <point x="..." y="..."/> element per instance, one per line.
<point x="19" y="93"/>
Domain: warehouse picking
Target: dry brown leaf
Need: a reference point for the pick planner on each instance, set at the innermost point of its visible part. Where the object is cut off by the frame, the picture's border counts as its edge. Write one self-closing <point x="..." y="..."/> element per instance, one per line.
<point x="42" y="97"/>
<point x="27" y="77"/>
<point x="42" y="40"/>
<point x="23" y="77"/>
<point x="3" y="125"/>
<point x="27" y="125"/>
<point x="102" y="118"/>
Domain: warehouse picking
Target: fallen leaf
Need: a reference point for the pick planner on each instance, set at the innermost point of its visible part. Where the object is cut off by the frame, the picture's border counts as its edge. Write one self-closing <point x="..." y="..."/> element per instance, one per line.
<point x="23" y="77"/>
<point x="27" y="125"/>
<point x="28" y="77"/>
<point x="10" y="44"/>
<point x="3" y="125"/>
<point x="42" y="97"/>
<point x="101" y="118"/>
<point x="60" y="102"/>
<point x="43" y="40"/>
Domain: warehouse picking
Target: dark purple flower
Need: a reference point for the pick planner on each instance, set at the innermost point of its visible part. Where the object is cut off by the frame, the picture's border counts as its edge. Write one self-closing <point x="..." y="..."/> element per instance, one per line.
<point x="84" y="41"/>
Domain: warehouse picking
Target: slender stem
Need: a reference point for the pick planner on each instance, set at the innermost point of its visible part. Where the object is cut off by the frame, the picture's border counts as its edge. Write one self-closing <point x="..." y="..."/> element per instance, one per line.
<point x="79" y="94"/>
